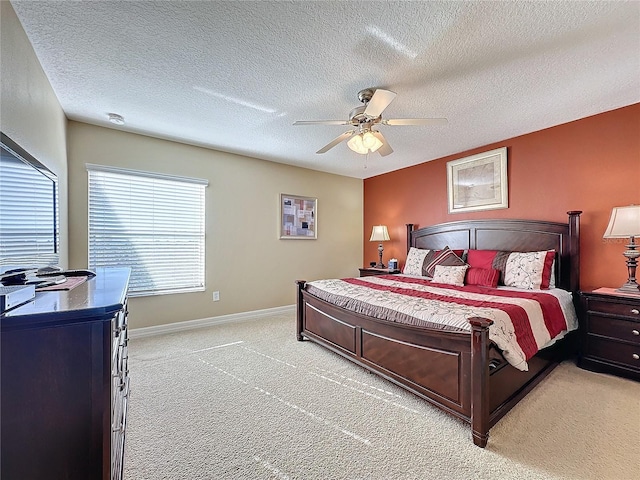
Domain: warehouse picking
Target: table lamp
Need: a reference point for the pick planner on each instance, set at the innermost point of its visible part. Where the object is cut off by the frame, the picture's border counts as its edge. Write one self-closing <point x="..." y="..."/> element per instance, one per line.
<point x="379" y="234"/>
<point x="625" y="223"/>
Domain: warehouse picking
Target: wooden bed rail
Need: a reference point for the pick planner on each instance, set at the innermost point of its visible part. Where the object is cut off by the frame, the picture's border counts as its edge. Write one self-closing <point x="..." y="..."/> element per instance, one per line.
<point x="300" y="310"/>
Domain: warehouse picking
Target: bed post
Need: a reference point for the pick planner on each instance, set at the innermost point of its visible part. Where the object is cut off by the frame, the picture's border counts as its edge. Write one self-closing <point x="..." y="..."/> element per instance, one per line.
<point x="409" y="230"/>
<point x="574" y="250"/>
<point x="300" y="309"/>
<point x="480" y="380"/>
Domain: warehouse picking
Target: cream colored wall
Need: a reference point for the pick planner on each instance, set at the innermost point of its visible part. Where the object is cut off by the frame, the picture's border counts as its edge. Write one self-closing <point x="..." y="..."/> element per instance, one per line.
<point x="243" y="249"/>
<point x="30" y="113"/>
<point x="245" y="260"/>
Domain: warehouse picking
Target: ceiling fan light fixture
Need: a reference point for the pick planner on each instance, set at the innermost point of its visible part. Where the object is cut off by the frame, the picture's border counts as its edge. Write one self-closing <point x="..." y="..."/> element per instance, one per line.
<point x="364" y="143"/>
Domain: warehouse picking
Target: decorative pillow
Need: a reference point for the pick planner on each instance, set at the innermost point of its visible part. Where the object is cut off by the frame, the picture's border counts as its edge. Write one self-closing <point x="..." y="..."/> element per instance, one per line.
<point x="529" y="270"/>
<point x="481" y="258"/>
<point x="484" y="277"/>
<point x="415" y="261"/>
<point x="450" y="275"/>
<point x="446" y="257"/>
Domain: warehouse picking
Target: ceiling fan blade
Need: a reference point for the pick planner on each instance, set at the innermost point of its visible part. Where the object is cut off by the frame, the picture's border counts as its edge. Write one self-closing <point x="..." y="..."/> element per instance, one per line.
<point x="385" y="149"/>
<point x="336" y="141"/>
<point x="415" y="121"/>
<point x="322" y="122"/>
<point x="380" y="100"/>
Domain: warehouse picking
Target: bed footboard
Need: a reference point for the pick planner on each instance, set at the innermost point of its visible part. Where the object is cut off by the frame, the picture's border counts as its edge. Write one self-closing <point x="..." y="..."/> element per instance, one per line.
<point x="448" y="369"/>
<point x="455" y="371"/>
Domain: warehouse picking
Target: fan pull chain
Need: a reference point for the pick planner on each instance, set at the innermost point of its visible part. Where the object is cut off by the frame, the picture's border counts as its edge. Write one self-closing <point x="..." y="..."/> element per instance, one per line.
<point x="366" y="157"/>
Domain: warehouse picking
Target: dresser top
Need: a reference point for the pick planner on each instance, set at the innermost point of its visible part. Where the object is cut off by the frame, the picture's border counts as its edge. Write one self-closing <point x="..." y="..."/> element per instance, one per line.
<point x="96" y="299"/>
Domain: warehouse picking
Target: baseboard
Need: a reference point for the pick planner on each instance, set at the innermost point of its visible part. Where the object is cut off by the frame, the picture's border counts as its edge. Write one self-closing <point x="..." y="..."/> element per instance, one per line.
<point x="206" y="322"/>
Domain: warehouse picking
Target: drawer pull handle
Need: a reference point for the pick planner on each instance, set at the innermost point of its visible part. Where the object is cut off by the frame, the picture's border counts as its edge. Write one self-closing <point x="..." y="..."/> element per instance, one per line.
<point x="635" y="332"/>
<point x="636" y="356"/>
<point x="635" y="311"/>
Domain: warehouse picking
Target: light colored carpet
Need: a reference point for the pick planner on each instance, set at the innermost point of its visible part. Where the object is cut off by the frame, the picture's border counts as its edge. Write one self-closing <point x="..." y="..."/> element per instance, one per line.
<point x="247" y="401"/>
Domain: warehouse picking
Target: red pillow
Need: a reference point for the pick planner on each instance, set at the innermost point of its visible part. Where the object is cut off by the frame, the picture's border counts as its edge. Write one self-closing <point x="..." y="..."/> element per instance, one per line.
<point x="547" y="271"/>
<point x="481" y="258"/>
<point x="485" y="277"/>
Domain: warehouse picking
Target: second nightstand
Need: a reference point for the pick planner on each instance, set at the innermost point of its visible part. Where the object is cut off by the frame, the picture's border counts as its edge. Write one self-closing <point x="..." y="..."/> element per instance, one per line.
<point x="366" y="272"/>
<point x="610" y="333"/>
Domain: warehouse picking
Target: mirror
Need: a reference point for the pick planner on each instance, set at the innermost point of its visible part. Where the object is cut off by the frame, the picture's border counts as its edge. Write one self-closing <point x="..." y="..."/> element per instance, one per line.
<point x="29" y="224"/>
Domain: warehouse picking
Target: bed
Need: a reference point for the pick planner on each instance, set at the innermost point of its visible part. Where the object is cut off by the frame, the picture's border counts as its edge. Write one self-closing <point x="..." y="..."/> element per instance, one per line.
<point x="462" y="372"/>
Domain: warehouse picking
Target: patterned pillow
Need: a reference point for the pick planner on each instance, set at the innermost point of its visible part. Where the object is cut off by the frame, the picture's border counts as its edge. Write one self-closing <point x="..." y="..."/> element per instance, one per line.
<point x="415" y="261"/>
<point x="445" y="257"/>
<point x="450" y="275"/>
<point x="529" y="270"/>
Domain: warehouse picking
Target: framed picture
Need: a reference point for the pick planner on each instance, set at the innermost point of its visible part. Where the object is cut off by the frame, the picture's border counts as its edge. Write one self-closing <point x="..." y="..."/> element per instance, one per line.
<point x="298" y="217"/>
<point x="478" y="182"/>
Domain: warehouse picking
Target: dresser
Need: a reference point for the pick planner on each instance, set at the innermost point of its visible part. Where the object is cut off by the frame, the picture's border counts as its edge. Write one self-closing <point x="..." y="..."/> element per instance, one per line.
<point x="610" y="333"/>
<point x="65" y="382"/>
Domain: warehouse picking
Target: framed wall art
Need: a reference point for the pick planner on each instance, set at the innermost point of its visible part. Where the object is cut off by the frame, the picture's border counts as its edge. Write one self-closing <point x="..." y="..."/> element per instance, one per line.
<point x="478" y="182"/>
<point x="298" y="217"/>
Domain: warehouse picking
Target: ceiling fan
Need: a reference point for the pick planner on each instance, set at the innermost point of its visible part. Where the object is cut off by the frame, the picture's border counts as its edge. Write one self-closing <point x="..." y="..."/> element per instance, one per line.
<point x="364" y="138"/>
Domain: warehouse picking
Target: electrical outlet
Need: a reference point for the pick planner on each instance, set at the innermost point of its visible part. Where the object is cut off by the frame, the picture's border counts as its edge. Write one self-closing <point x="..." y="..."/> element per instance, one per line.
<point x="216" y="296"/>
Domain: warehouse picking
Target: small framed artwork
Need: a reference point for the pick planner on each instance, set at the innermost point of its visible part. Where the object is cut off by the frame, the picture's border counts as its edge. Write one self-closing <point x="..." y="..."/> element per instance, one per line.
<point x="478" y="182"/>
<point x="298" y="217"/>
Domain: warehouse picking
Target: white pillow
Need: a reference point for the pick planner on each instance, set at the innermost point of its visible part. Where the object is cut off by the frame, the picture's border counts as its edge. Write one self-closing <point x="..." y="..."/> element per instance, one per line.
<point x="415" y="260"/>
<point x="527" y="270"/>
<point x="451" y="275"/>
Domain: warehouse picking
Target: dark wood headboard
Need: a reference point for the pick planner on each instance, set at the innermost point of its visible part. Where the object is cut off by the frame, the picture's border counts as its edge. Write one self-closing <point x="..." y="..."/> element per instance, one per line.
<point x="510" y="235"/>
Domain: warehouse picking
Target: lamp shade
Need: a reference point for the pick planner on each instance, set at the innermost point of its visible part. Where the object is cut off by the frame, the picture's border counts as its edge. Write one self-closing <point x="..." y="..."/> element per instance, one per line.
<point x="624" y="222"/>
<point x="364" y="143"/>
<point x="379" y="234"/>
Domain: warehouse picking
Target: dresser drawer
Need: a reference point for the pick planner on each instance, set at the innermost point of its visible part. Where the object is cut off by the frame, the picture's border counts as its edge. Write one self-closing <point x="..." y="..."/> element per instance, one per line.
<point x="613" y="351"/>
<point x="618" y="308"/>
<point x="616" y="328"/>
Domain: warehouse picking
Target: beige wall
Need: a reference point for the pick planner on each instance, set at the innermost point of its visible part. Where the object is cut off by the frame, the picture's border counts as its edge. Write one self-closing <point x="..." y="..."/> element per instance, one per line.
<point x="29" y="110"/>
<point x="245" y="260"/>
<point x="242" y="198"/>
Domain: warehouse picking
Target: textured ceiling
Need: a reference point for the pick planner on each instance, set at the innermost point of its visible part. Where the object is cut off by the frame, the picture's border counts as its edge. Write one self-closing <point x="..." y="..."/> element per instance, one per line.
<point x="234" y="76"/>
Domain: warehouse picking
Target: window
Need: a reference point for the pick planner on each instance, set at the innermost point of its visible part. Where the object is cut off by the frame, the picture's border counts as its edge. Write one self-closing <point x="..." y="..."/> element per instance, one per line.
<point x="28" y="209"/>
<point x="150" y="222"/>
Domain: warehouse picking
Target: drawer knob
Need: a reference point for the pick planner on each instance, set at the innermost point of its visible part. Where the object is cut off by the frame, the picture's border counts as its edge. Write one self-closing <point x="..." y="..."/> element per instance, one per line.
<point x="635" y="311"/>
<point x="636" y="356"/>
<point x="635" y="332"/>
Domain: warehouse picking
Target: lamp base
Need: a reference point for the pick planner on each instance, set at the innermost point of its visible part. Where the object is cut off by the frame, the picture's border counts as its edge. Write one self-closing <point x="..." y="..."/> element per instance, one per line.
<point x="632" y="255"/>
<point x="629" y="288"/>
<point x="380" y="250"/>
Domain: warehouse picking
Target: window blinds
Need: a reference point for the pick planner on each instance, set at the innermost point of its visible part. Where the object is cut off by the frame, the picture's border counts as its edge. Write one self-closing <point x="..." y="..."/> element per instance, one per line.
<point x="152" y="223"/>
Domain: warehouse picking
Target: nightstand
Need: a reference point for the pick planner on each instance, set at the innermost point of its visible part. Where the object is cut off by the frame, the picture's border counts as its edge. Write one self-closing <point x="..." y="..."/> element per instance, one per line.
<point x="610" y="333"/>
<point x="366" y="272"/>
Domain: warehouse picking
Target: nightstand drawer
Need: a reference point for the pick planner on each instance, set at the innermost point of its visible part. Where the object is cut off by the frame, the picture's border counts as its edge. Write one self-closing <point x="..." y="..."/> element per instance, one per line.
<point x="614" y="328"/>
<point x="622" y="309"/>
<point x="613" y="351"/>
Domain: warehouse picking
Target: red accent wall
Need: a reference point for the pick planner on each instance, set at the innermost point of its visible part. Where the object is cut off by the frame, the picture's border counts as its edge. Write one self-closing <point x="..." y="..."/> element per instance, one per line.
<point x="591" y="164"/>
